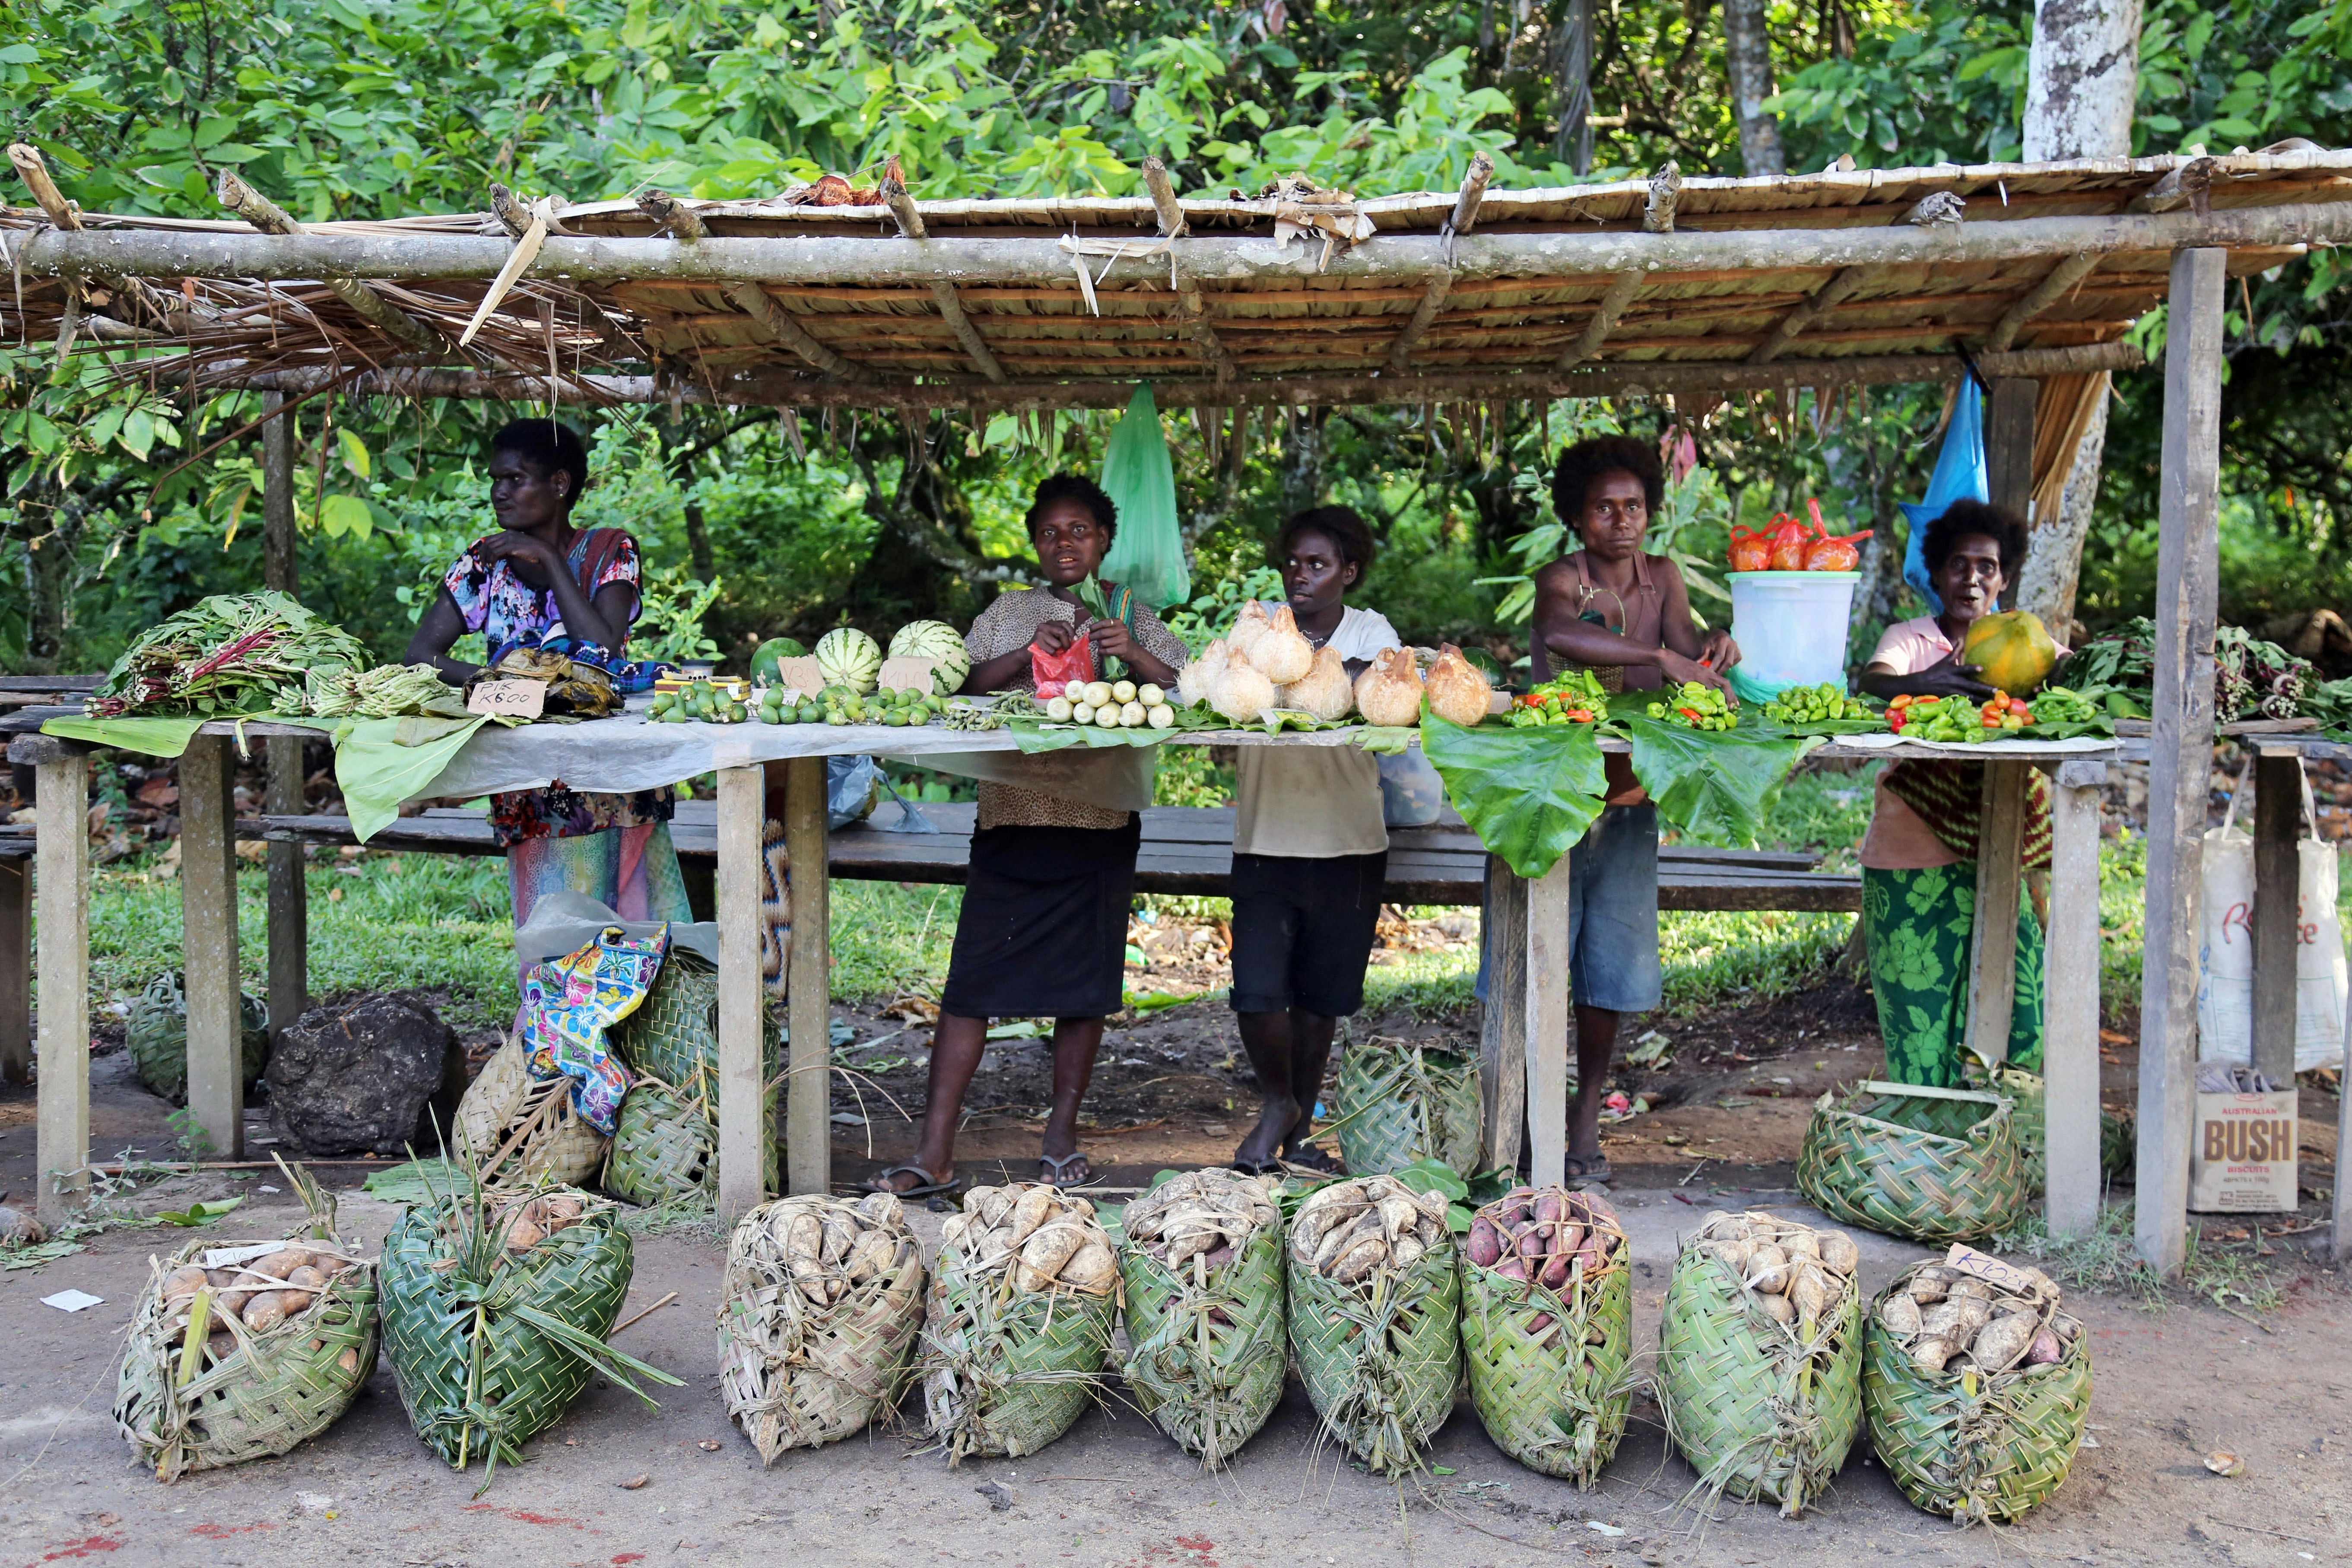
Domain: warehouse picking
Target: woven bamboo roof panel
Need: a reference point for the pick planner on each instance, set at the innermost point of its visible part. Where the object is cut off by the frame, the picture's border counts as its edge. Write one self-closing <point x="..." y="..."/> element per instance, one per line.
<point x="1293" y="296"/>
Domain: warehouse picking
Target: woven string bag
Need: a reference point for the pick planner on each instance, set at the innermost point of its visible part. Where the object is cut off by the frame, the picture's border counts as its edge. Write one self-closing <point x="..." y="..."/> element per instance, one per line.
<point x="1928" y="1164"/>
<point x="1974" y="1446"/>
<point x="267" y="1390"/>
<point x="156" y="1036"/>
<point x="1206" y="1345"/>
<point x="521" y="1131"/>
<point x="1400" y="1101"/>
<point x="1547" y="1366"/>
<point x="666" y="1137"/>
<point x="1761" y="1410"/>
<point x="816" y="1322"/>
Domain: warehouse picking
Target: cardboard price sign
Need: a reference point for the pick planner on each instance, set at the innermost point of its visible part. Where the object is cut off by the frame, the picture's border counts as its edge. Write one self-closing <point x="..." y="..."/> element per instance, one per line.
<point x="2001" y="1275"/>
<point x="507" y="699"/>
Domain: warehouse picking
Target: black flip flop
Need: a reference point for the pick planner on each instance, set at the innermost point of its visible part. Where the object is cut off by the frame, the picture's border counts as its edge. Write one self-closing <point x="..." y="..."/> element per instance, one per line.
<point x="929" y="1186"/>
<point x="1590" y="1168"/>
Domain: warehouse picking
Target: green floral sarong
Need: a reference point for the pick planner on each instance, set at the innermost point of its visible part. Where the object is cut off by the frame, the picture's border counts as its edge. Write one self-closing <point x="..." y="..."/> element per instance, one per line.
<point x="1918" y="925"/>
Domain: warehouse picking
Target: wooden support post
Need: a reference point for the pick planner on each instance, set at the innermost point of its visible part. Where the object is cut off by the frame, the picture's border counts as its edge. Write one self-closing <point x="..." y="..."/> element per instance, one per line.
<point x="808" y="979"/>
<point x="288" y="916"/>
<point x="2180" y="751"/>
<point x="2009" y="443"/>
<point x="17" y="971"/>
<point x="1549" y="1019"/>
<point x="208" y="946"/>
<point x="1992" y="964"/>
<point x="2278" y="902"/>
<point x="2070" y="1009"/>
<point x="744" y="1108"/>
<point x="1503" y="1026"/>
<point x="61" y="804"/>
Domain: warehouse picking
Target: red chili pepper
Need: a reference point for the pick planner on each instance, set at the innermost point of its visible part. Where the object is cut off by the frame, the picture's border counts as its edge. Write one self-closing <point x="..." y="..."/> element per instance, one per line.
<point x="1690" y="713"/>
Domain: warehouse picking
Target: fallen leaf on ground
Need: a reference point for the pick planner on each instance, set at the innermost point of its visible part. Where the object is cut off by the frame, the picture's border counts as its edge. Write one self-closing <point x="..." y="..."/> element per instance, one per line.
<point x="634" y="1482"/>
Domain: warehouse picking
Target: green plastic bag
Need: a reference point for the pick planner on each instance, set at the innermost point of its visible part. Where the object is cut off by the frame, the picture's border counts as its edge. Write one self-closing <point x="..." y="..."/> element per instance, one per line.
<point x="1148" y="555"/>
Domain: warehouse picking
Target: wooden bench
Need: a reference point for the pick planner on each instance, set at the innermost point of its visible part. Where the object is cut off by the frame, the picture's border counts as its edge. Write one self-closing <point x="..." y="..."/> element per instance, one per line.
<point x="1186" y="849"/>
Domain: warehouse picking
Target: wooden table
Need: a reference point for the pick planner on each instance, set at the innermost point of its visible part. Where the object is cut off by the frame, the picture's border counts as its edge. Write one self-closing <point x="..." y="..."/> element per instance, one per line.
<point x="1525" y="1045"/>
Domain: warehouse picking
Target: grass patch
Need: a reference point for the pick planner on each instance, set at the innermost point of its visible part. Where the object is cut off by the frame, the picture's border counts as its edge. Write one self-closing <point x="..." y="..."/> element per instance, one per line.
<point x="2107" y="1260"/>
<point x="1707" y="957"/>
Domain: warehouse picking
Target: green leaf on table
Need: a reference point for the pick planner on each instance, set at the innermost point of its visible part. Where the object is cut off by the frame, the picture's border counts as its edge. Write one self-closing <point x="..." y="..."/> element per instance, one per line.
<point x="1713" y="785"/>
<point x="1528" y="794"/>
<point x="1385" y="740"/>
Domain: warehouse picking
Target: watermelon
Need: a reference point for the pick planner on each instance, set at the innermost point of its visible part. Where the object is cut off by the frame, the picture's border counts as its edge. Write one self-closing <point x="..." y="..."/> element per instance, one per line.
<point x="938" y="641"/>
<point x="849" y="658"/>
<point x="764" y="662"/>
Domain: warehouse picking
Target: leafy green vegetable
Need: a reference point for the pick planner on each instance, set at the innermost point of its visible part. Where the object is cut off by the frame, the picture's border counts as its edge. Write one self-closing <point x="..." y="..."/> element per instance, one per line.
<point x="232" y="653"/>
<point x="1713" y="787"/>
<point x="1527" y="794"/>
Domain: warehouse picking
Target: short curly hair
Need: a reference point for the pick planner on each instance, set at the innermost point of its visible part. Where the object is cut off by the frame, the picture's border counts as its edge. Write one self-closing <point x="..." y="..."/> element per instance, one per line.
<point x="1586" y="461"/>
<point x="548" y="446"/>
<point x="1964" y="518"/>
<point x="1079" y="489"/>
<point x="1342" y="525"/>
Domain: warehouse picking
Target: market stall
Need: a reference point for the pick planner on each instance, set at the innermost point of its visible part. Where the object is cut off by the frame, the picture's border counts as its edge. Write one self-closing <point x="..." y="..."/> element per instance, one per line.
<point x="1301" y="297"/>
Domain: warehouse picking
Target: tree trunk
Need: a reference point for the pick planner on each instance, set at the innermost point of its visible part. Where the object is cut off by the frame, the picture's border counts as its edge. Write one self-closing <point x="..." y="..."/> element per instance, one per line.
<point x="1571" y="78"/>
<point x="2082" y="81"/>
<point x="1748" y="54"/>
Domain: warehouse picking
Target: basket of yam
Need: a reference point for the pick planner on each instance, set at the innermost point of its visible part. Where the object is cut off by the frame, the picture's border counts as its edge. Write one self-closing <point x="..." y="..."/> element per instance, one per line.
<point x="1547" y="1328"/>
<point x="1018" y="1326"/>
<point x="240" y="1350"/>
<point x="1977" y="1385"/>
<point x="1400" y="1100"/>
<point x="495" y="1307"/>
<point x="519" y="1129"/>
<point x="666" y="1135"/>
<point x="817" y="1318"/>
<point x="1928" y="1164"/>
<point x="1201" y="1264"/>
<point x="1376" y="1316"/>
<point x="1759" y="1357"/>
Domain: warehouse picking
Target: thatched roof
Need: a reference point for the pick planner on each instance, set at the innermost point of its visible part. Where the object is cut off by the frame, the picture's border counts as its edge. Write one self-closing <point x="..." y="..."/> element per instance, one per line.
<point x="1873" y="275"/>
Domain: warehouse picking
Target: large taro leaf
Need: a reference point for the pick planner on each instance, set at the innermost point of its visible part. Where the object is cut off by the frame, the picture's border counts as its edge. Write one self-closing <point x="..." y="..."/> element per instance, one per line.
<point x="1713" y="786"/>
<point x="1527" y="794"/>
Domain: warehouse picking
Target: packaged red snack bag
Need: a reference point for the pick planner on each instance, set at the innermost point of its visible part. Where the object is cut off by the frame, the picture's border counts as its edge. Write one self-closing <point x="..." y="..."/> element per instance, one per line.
<point x="1751" y="551"/>
<point x="1076" y="662"/>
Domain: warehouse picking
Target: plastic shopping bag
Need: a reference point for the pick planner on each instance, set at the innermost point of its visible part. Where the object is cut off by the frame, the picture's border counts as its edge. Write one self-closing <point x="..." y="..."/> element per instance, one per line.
<point x="2225" y="982"/>
<point x="1148" y="554"/>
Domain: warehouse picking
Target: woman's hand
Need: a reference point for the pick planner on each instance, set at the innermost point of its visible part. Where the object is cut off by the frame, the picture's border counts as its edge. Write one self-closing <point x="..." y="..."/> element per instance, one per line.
<point x="1947" y="676"/>
<point x="1053" y="637"/>
<point x="510" y="544"/>
<point x="1112" y="639"/>
<point x="1677" y="669"/>
<point x="1717" y="652"/>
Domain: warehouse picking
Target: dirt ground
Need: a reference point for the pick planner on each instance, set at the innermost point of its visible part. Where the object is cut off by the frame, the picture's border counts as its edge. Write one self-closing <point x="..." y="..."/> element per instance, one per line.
<point x="1729" y="1092"/>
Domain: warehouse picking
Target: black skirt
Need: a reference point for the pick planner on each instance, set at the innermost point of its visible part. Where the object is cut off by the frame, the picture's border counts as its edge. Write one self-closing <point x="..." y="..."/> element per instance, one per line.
<point x="1043" y="928"/>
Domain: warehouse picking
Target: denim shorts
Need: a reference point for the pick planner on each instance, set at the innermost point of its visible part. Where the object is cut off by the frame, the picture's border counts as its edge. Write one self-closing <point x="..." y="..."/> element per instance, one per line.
<point x="1612" y="913"/>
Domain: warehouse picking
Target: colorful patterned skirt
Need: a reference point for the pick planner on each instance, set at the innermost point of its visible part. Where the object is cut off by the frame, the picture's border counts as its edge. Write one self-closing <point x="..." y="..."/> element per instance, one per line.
<point x="1918" y="924"/>
<point x="633" y="871"/>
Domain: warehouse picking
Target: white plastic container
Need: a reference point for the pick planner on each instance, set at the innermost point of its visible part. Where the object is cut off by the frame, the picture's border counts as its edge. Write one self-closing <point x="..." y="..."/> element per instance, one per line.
<point x="1791" y="629"/>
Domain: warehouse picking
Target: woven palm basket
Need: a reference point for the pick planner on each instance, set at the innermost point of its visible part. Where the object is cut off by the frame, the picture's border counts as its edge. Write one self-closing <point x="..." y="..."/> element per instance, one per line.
<point x="1759" y="1413"/>
<point x="521" y="1130"/>
<point x="2024" y="1091"/>
<point x="1006" y="1371"/>
<point x="1930" y="1164"/>
<point x="1206" y="1346"/>
<point x="666" y="1137"/>
<point x="1548" y="1367"/>
<point x="797" y="1374"/>
<point x="1400" y="1101"/>
<point x="486" y="1356"/>
<point x="1973" y="1447"/>
<point x="1381" y="1359"/>
<point x="272" y="1389"/>
<point x="156" y="1035"/>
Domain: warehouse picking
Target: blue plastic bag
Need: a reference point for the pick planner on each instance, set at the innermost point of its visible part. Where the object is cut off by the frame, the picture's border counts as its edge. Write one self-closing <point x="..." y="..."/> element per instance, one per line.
<point x="1148" y="555"/>
<point x="1959" y="476"/>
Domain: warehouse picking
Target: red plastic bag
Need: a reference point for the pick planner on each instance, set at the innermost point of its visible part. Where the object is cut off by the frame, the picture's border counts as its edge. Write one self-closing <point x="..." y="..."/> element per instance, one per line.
<point x="1076" y="662"/>
<point x="1751" y="551"/>
<point x="1789" y="543"/>
<point x="1833" y="552"/>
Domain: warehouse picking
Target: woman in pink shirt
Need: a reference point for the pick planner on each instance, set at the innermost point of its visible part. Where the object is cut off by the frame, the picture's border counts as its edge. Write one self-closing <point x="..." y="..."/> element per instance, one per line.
<point x="1918" y="859"/>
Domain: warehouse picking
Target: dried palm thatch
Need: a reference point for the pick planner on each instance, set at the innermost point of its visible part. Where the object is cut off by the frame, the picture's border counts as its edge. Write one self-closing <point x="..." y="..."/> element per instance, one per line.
<point x="241" y="1349"/>
<point x="521" y="1131"/>
<point x="495" y="1307"/>
<point x="1400" y="1100"/>
<point x="665" y="1138"/>
<point x="1763" y="1403"/>
<point x="1201" y="1263"/>
<point x="1376" y="1316"/>
<point x="1017" y="1331"/>
<point x="1930" y="1164"/>
<point x="817" y="1319"/>
<point x="1547" y="1328"/>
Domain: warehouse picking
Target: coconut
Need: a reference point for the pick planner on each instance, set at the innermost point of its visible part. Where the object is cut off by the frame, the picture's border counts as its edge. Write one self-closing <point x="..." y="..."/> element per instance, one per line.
<point x="1390" y="692"/>
<point x="1280" y="653"/>
<point x="1198" y="679"/>
<point x="1242" y="692"/>
<point x="1248" y="626"/>
<point x="1324" y="690"/>
<point x="1457" y="692"/>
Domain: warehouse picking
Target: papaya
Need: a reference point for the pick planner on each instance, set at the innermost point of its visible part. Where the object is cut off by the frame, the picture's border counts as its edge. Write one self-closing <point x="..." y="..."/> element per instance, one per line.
<point x="2013" y="651"/>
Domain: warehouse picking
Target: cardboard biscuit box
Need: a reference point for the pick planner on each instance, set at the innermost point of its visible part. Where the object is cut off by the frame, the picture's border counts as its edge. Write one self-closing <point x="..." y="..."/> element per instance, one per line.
<point x="2242" y="1159"/>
